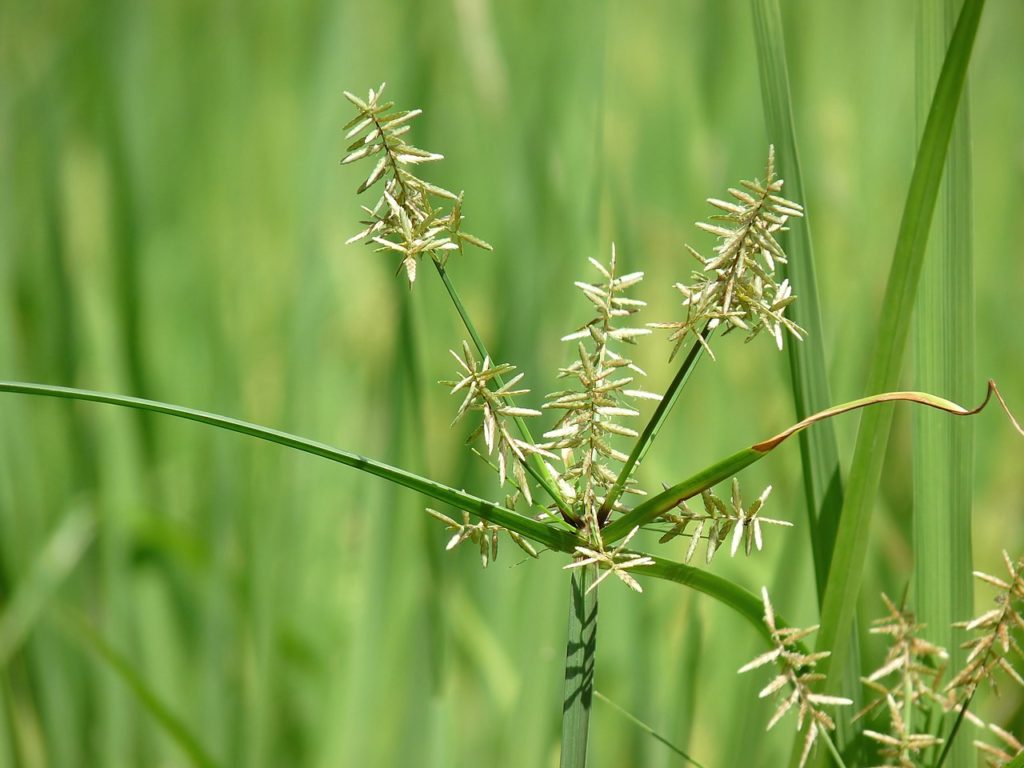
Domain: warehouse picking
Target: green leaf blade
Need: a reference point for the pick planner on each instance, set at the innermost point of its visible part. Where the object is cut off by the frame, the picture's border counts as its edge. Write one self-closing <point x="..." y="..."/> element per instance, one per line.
<point x="846" y="571"/>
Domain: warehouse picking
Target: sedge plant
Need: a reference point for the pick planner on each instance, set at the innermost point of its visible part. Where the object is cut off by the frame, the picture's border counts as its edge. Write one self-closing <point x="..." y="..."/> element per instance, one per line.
<point x="567" y="464"/>
<point x="584" y="461"/>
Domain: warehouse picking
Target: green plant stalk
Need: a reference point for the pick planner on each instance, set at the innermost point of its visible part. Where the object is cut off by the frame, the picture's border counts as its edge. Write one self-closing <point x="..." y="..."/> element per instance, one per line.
<point x="83" y="633"/>
<point x="580" y="656"/>
<point x="535" y="465"/>
<point x="849" y="553"/>
<point x="645" y="727"/>
<point x="944" y="363"/>
<point x="654" y="425"/>
<point x="950" y="739"/>
<point x="55" y="562"/>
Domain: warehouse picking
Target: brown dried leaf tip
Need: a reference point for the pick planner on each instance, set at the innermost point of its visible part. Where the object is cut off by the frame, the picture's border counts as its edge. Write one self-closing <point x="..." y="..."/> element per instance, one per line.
<point x="795" y="670"/>
<point x="412" y="217"/>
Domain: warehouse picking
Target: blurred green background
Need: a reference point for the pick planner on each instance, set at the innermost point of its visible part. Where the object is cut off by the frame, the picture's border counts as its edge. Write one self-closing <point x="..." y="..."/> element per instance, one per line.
<point x="172" y="220"/>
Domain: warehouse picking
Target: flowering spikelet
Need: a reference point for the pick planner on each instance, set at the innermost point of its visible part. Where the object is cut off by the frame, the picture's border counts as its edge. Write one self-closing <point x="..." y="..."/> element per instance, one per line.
<point x="796" y="671"/>
<point x="718" y="520"/>
<point x="477" y="379"/>
<point x="907" y="684"/>
<point x="991" y="649"/>
<point x="737" y="285"/>
<point x="1003" y="755"/>
<point x="483" y="534"/>
<point x="615" y="561"/>
<point x="583" y="434"/>
<point x="412" y="217"/>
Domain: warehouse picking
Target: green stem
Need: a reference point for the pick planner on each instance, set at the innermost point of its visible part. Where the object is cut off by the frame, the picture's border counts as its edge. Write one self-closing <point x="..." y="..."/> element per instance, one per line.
<point x="580" y="647"/>
<point x="832" y="749"/>
<point x="819" y="454"/>
<point x="645" y="727"/>
<point x="650" y="432"/>
<point x="948" y="741"/>
<point x="535" y="465"/>
<point x="83" y="633"/>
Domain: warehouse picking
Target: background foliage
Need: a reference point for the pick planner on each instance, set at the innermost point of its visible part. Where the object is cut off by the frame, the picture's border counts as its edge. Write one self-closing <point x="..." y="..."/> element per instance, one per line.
<point x="171" y="226"/>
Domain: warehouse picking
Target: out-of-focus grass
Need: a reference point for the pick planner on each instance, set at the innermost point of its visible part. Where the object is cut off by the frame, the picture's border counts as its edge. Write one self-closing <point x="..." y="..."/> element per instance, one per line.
<point x="171" y="225"/>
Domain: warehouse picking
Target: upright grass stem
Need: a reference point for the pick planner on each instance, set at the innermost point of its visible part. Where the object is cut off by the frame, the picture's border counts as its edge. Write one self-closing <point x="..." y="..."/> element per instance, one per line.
<point x="580" y="650"/>
<point x="819" y="452"/>
<point x="944" y="363"/>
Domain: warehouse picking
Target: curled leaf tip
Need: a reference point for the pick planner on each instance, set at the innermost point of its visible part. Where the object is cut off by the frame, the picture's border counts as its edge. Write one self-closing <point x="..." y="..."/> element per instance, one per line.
<point x="994" y="390"/>
<point x="922" y="398"/>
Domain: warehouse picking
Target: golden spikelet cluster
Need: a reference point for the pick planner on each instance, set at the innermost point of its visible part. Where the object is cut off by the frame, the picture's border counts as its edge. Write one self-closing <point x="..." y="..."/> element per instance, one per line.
<point x="604" y="392"/>
<point x="412" y="217"/>
<point x="485" y="392"/>
<point x="736" y="287"/>
<point x="581" y="462"/>
<point x="996" y="642"/>
<point x="796" y="672"/>
<point x="718" y="521"/>
<point x="483" y="534"/>
<point x="907" y="684"/>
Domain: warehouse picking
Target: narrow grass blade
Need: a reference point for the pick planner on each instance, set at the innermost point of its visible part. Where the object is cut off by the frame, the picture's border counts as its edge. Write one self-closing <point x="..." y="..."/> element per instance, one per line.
<point x="82" y="632"/>
<point x="544" y="534"/>
<point x="580" y="650"/>
<point x="818" y="452"/>
<point x="58" y="558"/>
<point x="644" y="726"/>
<point x="744" y="602"/>
<point x="851" y="542"/>
<point x="944" y="364"/>
<point x="656" y="505"/>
